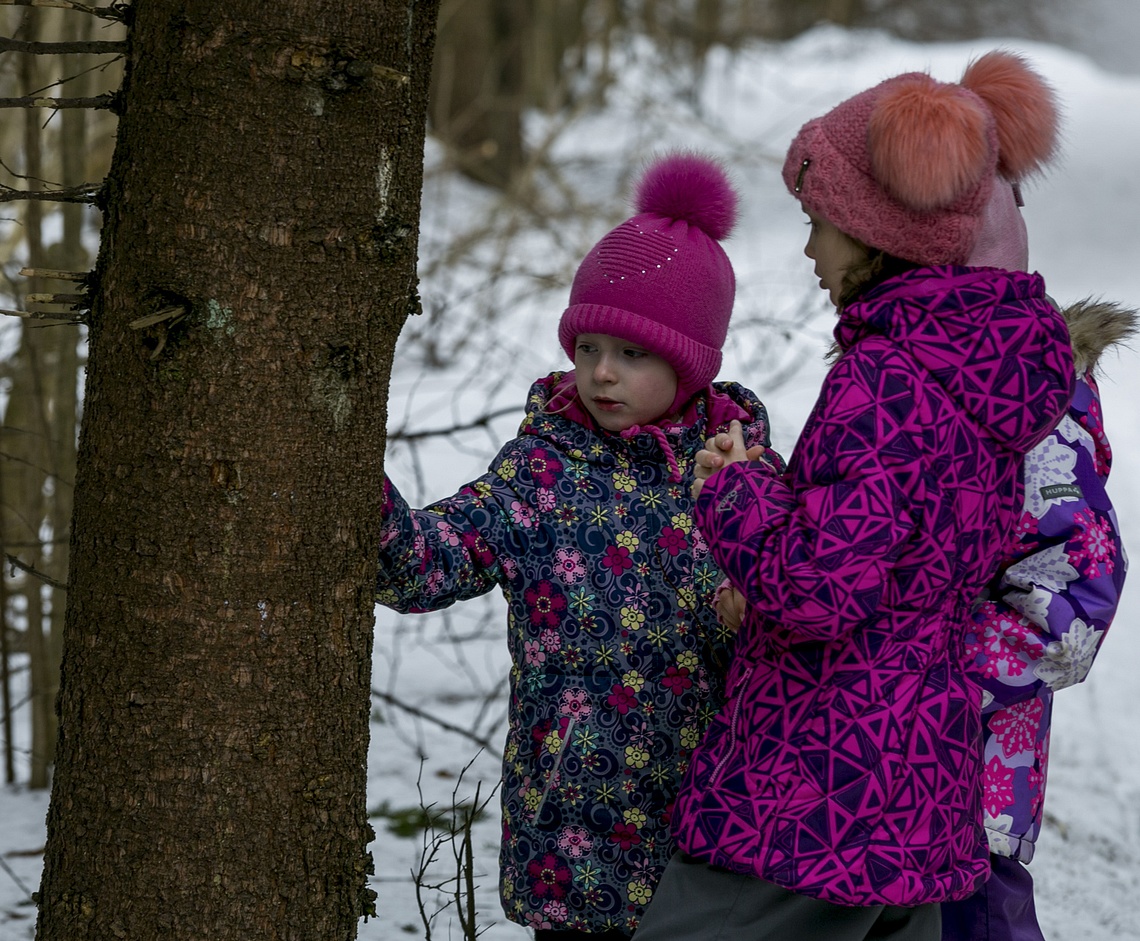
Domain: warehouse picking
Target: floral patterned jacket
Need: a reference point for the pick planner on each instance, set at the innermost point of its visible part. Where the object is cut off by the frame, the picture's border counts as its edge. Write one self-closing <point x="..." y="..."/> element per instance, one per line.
<point x="617" y="655"/>
<point x="1047" y="612"/>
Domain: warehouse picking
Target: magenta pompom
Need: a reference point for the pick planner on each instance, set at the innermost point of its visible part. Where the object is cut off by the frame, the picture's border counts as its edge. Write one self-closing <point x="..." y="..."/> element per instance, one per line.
<point x="691" y="188"/>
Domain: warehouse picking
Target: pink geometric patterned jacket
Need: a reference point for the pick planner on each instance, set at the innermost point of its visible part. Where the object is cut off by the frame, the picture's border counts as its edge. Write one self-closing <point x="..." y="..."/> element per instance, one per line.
<point x="845" y="764"/>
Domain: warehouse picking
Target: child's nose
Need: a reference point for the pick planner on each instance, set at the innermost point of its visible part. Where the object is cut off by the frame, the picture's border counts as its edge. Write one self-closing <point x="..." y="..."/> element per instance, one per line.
<point x="604" y="370"/>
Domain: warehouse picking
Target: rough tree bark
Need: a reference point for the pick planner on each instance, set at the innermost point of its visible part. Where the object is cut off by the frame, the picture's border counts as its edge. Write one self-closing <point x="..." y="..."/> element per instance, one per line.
<point x="263" y="205"/>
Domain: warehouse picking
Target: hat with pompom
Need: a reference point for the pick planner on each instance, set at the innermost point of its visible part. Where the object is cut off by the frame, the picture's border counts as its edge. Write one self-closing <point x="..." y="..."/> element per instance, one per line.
<point x="909" y="165"/>
<point x="661" y="278"/>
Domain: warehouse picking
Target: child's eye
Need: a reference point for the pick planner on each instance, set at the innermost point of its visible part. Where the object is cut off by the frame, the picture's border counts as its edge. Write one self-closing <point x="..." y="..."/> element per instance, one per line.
<point x="633" y="353"/>
<point x="585" y="348"/>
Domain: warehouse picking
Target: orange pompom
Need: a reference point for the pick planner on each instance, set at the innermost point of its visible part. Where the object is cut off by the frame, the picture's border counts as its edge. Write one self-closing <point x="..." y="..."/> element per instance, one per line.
<point x="928" y="142"/>
<point x="1024" y="107"/>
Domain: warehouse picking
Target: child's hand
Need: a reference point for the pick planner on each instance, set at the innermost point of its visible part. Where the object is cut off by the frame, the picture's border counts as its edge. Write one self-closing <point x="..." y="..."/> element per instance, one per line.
<point x="726" y="448"/>
<point x="730" y="605"/>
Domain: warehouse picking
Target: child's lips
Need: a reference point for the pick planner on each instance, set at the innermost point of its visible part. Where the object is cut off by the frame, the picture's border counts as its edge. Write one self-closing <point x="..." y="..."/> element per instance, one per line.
<point x="607" y="405"/>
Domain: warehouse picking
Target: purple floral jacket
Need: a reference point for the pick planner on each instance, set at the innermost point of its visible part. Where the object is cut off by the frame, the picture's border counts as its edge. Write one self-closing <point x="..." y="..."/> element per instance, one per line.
<point x="845" y="762"/>
<point x="1046" y="613"/>
<point x="617" y="657"/>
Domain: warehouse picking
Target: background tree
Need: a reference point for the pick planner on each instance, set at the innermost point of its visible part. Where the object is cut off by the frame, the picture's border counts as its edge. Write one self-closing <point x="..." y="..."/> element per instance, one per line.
<point x="258" y="260"/>
<point x="53" y="152"/>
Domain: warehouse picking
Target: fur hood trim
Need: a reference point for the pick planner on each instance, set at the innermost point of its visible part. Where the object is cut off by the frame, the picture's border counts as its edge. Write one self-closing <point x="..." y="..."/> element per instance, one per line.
<point x="1094" y="326"/>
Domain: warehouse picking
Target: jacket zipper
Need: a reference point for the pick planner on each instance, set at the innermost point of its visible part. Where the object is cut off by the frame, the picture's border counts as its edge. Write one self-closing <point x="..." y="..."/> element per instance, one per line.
<point x="554" y="771"/>
<point x="732" y="732"/>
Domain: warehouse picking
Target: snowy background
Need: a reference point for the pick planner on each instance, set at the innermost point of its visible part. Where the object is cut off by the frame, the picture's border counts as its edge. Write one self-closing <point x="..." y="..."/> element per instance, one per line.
<point x="489" y="330"/>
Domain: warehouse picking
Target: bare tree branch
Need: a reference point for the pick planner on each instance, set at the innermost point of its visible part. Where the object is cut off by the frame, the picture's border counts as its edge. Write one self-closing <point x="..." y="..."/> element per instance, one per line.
<point x="84" y="193"/>
<point x="93" y="47"/>
<point x="116" y="11"/>
<point x="107" y="102"/>
<point x="61" y="316"/>
<point x="435" y="720"/>
<point x="55" y="274"/>
<point x="481" y="422"/>
<point x="16" y="879"/>
<point x="34" y="572"/>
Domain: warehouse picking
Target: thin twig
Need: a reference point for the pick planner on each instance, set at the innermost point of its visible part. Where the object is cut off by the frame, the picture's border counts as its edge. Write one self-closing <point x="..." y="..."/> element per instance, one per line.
<point x="481" y="422"/>
<point x="435" y="720"/>
<point x="467" y="913"/>
<point x="84" y="193"/>
<point x="34" y="572"/>
<point x="93" y="47"/>
<point x="60" y="316"/>
<point x="16" y="879"/>
<point x="175" y="312"/>
<point x="114" y="12"/>
<point x="73" y="300"/>
<point x="105" y="101"/>
<point x="54" y="274"/>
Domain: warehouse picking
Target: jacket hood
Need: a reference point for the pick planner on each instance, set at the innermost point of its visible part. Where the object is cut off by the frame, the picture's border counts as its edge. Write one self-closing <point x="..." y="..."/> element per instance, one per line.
<point x="1094" y="326"/>
<point x="550" y="414"/>
<point x="990" y="338"/>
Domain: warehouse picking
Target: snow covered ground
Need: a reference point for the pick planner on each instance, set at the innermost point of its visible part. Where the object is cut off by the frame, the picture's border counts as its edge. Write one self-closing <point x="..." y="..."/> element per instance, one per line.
<point x="745" y="107"/>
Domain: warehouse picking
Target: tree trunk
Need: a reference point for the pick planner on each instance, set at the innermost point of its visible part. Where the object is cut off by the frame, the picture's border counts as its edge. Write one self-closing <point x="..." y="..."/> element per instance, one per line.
<point x="264" y="194"/>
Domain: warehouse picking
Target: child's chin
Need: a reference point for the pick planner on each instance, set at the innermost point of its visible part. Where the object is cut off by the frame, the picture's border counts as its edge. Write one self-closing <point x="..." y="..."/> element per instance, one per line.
<point x="613" y="423"/>
<point x="609" y="421"/>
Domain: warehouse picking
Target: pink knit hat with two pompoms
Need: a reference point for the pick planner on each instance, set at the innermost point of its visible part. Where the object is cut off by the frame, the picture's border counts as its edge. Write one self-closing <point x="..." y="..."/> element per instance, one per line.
<point x="661" y="278"/>
<point x="909" y="166"/>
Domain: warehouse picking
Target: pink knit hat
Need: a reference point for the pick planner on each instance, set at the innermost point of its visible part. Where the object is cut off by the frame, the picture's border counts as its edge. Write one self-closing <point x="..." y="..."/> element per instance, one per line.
<point x="909" y="165"/>
<point x="661" y="279"/>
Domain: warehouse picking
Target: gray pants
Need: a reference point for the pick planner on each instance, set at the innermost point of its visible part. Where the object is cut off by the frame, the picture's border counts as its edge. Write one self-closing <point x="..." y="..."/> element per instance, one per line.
<point x="698" y="902"/>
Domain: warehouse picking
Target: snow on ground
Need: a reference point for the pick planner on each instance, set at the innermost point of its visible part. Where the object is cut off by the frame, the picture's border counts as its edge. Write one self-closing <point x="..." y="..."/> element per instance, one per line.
<point x="745" y="107"/>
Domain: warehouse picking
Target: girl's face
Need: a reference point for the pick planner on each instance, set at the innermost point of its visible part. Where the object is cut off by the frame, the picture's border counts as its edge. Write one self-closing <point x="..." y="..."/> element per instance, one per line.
<point x="833" y="252"/>
<point x="620" y="383"/>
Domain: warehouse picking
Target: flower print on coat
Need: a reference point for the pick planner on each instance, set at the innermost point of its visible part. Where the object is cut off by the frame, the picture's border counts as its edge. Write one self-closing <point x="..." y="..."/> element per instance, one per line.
<point x="1047" y="612"/>
<point x="1016" y="729"/>
<point x="550" y="877"/>
<point x="1067" y="661"/>
<point x="673" y="540"/>
<point x="617" y="559"/>
<point x="1097" y="546"/>
<point x="617" y="658"/>
<point x="677" y="679"/>
<point x="622" y="698"/>
<point x="547" y="604"/>
<point x="545" y="468"/>
<point x="570" y="565"/>
<point x="575" y="841"/>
